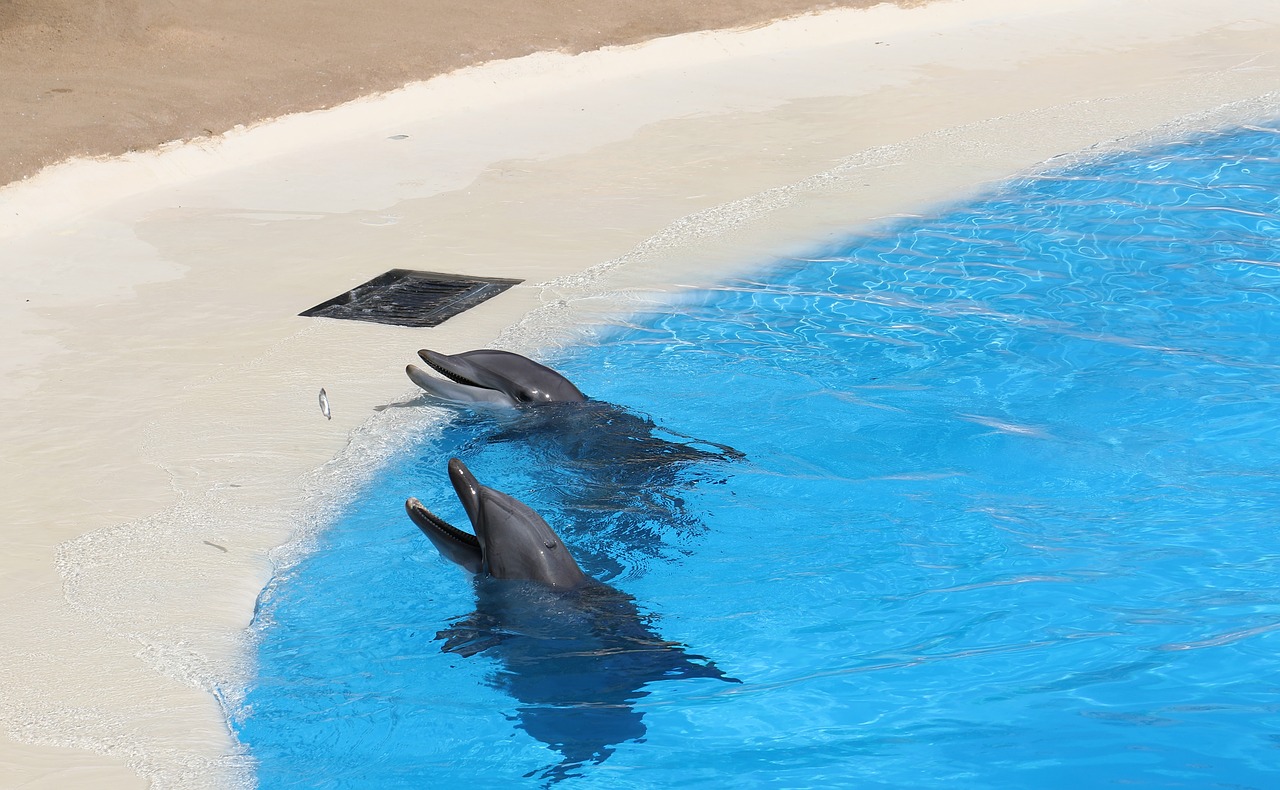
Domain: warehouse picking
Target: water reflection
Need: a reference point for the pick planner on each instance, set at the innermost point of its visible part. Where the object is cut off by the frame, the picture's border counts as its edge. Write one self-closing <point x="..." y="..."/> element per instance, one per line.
<point x="575" y="662"/>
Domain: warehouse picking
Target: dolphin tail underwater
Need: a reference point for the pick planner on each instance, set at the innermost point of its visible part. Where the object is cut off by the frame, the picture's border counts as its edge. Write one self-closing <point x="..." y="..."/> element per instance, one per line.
<point x="493" y="377"/>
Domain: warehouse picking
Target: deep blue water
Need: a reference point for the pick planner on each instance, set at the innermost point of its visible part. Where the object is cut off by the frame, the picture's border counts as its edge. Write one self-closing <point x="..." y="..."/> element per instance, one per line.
<point x="1007" y="516"/>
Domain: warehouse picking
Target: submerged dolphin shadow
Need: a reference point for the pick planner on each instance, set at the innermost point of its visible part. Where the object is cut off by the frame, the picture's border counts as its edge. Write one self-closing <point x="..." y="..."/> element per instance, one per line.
<point x="614" y="469"/>
<point x="575" y="653"/>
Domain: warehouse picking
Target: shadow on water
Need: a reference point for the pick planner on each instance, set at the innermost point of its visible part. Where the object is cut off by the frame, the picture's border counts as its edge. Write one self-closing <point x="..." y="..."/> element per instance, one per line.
<point x="575" y="662"/>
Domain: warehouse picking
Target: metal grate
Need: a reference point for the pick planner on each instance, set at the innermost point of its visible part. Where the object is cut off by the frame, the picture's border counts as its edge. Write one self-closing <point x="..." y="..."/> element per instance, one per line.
<point x="408" y="298"/>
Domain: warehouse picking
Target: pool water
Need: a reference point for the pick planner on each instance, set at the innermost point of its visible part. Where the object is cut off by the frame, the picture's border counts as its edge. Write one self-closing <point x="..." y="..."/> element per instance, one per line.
<point x="988" y="498"/>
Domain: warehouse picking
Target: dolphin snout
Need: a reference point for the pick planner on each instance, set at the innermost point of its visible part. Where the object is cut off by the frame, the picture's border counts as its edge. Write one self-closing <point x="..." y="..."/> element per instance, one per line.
<point x="467" y="488"/>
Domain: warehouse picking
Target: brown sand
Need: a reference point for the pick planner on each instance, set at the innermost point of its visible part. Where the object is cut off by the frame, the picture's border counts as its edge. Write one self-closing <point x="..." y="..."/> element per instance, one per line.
<point x="102" y="77"/>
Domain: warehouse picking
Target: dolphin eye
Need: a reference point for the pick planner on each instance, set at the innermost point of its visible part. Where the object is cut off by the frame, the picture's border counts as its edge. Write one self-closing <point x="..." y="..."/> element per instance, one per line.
<point x="551" y="544"/>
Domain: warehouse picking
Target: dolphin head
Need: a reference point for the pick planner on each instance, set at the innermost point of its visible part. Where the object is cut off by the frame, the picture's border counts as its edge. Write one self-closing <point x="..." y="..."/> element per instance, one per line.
<point x="488" y="376"/>
<point x="510" y="541"/>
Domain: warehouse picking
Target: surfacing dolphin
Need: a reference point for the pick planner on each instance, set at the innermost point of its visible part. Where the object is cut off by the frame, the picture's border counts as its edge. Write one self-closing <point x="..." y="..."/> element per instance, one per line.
<point x="576" y="653"/>
<point x="495" y="377"/>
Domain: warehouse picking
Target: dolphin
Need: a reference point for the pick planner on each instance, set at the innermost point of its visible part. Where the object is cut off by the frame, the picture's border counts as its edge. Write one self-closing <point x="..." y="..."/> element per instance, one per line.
<point x="487" y="376"/>
<point x="576" y="653"/>
<point x="511" y="541"/>
<point x="605" y="458"/>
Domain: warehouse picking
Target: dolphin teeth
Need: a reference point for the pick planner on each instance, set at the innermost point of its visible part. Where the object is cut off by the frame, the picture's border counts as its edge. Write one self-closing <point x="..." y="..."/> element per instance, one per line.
<point x="454" y="377"/>
<point x="442" y="525"/>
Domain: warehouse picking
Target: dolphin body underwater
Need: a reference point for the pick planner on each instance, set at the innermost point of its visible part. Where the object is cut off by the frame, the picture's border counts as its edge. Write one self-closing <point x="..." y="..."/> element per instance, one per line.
<point x="576" y="653"/>
<point x="615" y="469"/>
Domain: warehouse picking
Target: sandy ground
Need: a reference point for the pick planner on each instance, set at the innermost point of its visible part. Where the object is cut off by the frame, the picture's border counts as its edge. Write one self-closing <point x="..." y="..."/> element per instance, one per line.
<point x="162" y="437"/>
<point x="109" y="76"/>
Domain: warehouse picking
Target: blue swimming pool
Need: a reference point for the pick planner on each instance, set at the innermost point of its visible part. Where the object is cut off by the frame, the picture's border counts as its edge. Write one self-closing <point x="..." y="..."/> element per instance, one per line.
<point x="985" y="499"/>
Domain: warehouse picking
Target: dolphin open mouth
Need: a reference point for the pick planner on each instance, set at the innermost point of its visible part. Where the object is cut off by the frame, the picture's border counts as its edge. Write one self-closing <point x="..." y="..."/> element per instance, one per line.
<point x="454" y="544"/>
<point x="455" y="379"/>
<point x="491" y="376"/>
<point x="453" y="376"/>
<point x="425" y="520"/>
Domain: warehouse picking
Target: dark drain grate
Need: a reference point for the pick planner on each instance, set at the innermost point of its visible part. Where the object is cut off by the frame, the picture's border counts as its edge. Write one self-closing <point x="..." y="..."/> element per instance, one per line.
<point x="408" y="298"/>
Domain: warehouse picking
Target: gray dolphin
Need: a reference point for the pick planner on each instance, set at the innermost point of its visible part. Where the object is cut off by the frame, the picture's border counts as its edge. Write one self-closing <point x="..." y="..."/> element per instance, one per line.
<point x="490" y="376"/>
<point x="511" y="541"/>
<point x="576" y="654"/>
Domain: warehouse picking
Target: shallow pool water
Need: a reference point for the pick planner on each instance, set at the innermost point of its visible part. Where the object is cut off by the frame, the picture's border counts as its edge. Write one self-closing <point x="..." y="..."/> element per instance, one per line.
<point x="988" y="498"/>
